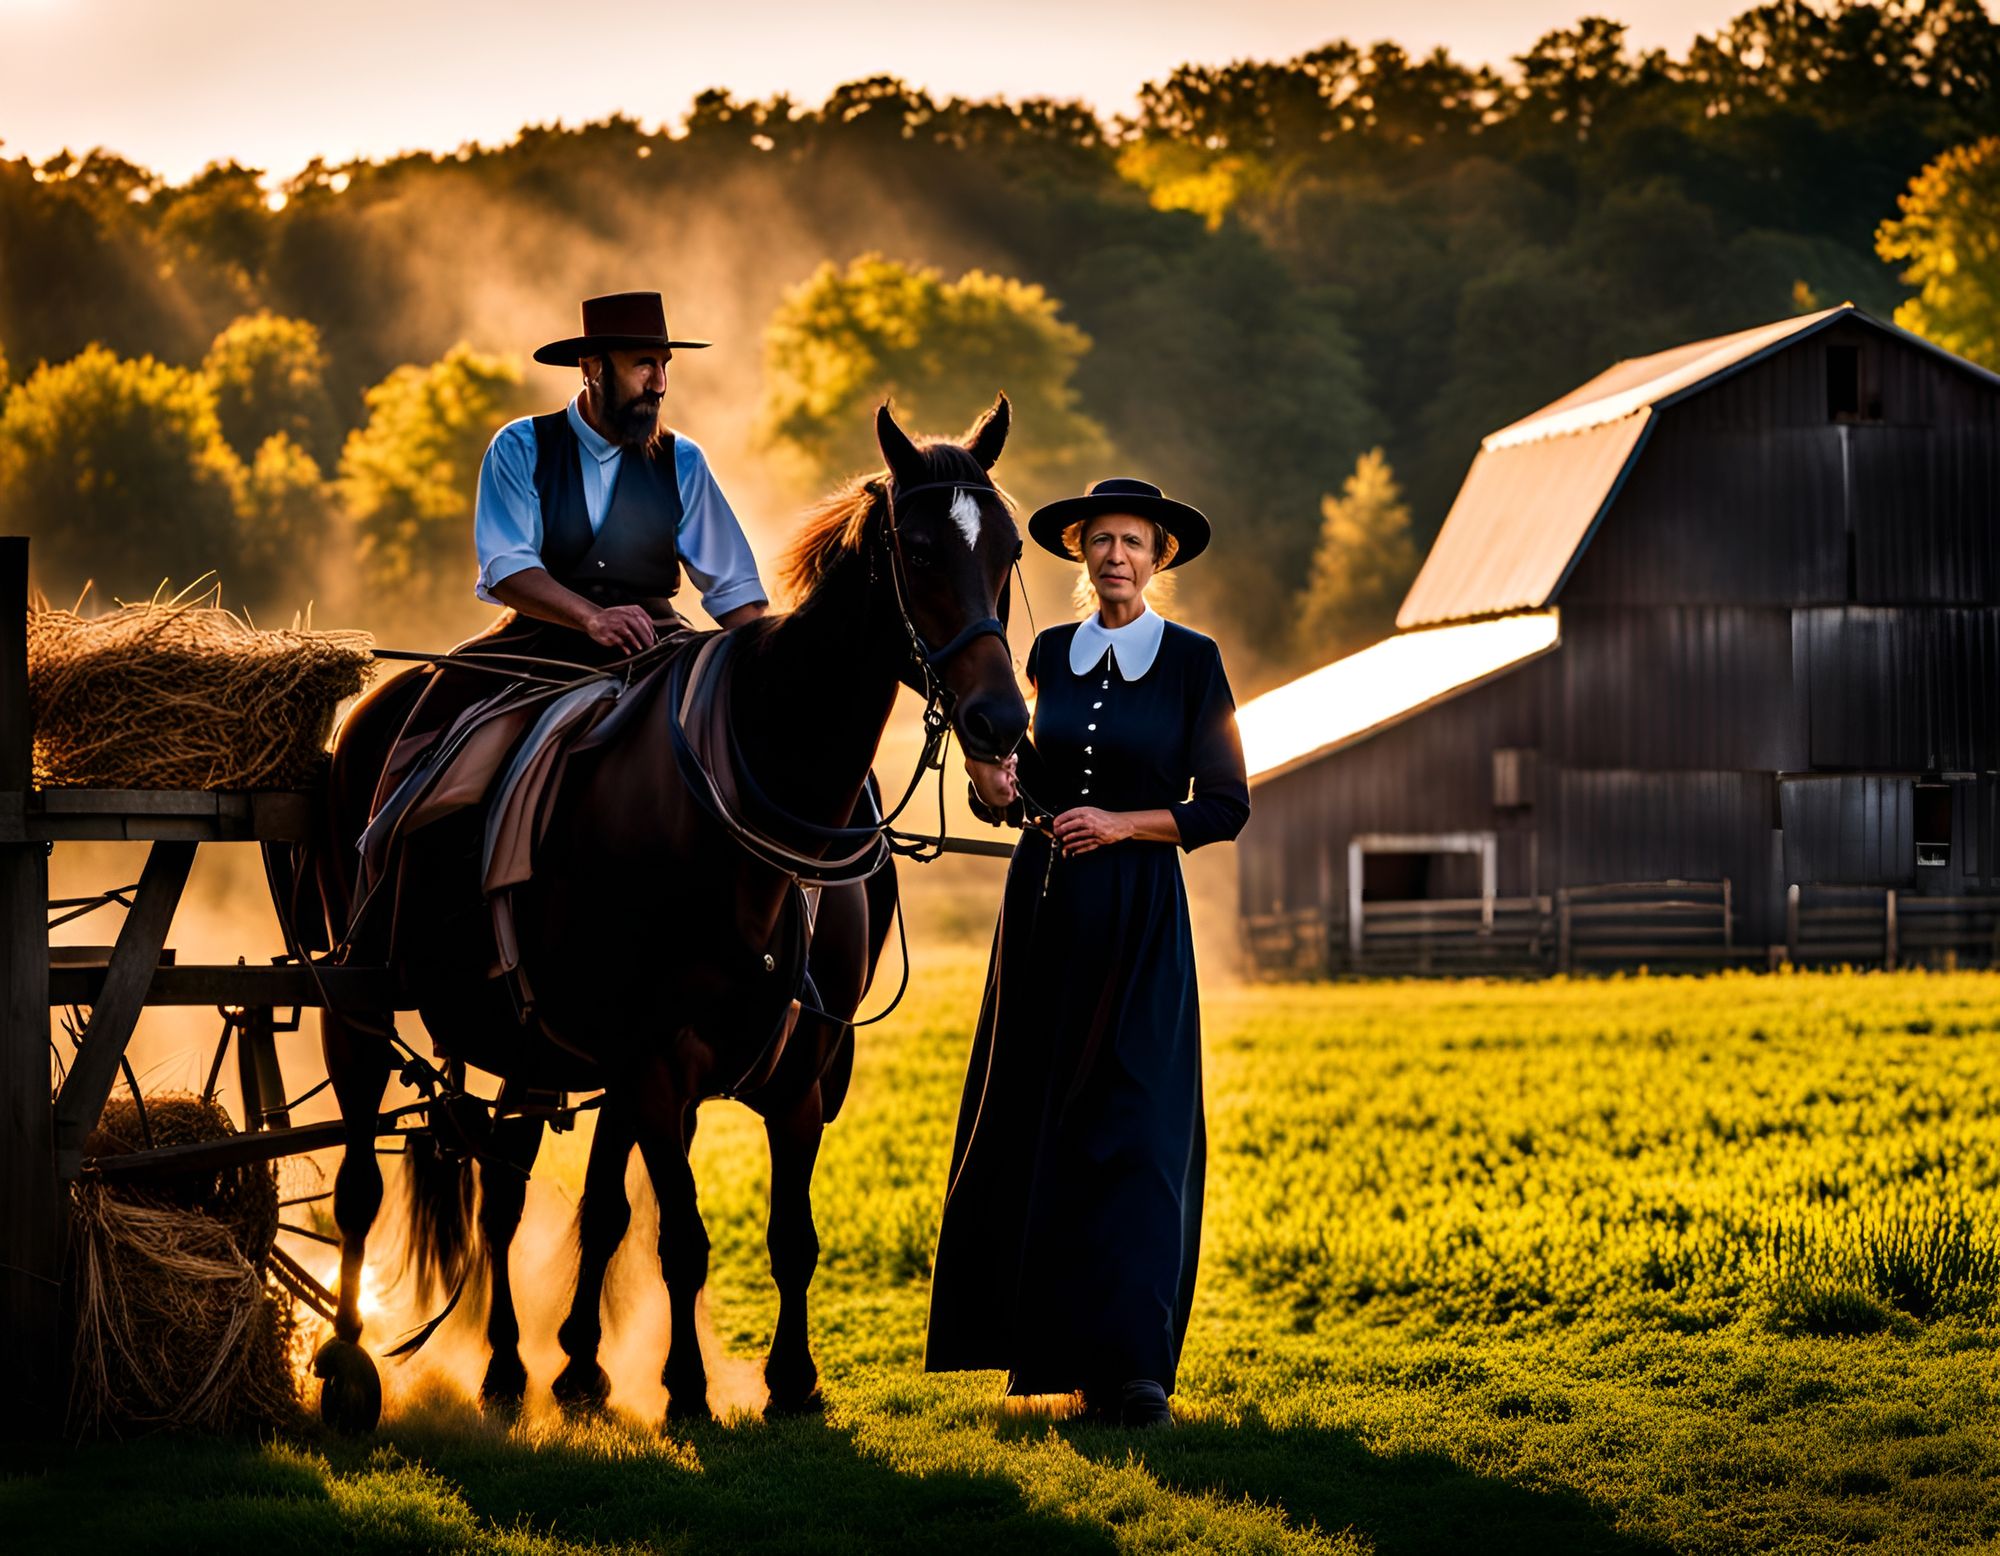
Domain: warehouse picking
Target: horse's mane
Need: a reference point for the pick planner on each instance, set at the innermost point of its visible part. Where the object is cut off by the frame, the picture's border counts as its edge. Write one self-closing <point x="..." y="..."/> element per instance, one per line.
<point x="838" y="524"/>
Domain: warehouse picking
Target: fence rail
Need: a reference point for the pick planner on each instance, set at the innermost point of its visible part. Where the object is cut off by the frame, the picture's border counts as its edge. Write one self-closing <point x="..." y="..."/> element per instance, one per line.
<point x="1869" y="925"/>
<point x="1689" y="923"/>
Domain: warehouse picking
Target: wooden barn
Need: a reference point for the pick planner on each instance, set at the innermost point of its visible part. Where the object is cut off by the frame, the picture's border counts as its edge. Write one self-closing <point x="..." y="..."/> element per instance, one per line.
<point x="1704" y="663"/>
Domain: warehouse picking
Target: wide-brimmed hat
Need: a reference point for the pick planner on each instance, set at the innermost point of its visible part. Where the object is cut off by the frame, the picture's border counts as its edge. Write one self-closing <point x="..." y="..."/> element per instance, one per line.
<point x="1122" y="494"/>
<point x="619" y="321"/>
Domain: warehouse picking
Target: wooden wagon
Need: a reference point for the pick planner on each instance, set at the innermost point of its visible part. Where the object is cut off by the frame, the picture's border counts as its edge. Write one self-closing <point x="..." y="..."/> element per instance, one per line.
<point x="43" y="1143"/>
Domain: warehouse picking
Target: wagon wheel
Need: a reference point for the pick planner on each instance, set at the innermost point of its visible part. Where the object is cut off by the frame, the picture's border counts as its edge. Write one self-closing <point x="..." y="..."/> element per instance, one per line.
<point x="350" y="1396"/>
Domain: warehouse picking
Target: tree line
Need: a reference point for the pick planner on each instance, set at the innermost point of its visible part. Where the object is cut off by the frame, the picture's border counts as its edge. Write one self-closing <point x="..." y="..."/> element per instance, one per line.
<point x="1296" y="292"/>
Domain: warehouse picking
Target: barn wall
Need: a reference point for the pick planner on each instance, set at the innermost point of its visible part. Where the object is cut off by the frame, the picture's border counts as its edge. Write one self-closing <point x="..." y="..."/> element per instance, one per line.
<point x="1431" y="773"/>
<point x="1625" y="825"/>
<point x="1721" y="516"/>
<point x="1749" y="493"/>
<point x="1849" y="829"/>
<point x="1916" y="689"/>
<point x="1680" y="687"/>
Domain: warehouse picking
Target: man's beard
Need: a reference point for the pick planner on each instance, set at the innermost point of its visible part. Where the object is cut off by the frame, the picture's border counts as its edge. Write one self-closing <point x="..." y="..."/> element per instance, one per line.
<point x="637" y="419"/>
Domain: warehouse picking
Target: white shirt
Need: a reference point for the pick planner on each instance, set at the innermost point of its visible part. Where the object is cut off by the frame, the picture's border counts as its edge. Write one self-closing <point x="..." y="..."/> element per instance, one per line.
<point x="507" y="522"/>
<point x="1135" y="643"/>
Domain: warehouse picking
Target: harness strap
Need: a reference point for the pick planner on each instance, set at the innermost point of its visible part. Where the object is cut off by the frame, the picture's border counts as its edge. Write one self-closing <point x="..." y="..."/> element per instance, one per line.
<point x="986" y="626"/>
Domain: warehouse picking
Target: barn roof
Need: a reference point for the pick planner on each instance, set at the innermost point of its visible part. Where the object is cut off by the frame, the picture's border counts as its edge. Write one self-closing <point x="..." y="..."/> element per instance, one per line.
<point x="1340" y="703"/>
<point x="1537" y="488"/>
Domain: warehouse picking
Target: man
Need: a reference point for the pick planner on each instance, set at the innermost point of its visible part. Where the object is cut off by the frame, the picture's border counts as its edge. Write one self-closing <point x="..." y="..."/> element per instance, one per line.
<point x="587" y="516"/>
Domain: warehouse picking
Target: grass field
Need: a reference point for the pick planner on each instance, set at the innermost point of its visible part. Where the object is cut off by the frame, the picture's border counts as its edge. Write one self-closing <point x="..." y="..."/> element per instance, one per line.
<point x="1627" y="1265"/>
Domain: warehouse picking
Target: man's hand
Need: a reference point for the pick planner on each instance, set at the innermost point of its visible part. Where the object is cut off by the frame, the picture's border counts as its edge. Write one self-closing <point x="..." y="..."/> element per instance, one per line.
<point x="1079" y="831"/>
<point x="621" y="626"/>
<point x="994" y="782"/>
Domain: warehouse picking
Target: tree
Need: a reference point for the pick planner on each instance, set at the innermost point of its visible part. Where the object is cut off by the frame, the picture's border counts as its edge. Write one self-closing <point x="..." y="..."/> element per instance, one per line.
<point x="1571" y="74"/>
<point x="1948" y="242"/>
<point x="293" y="538"/>
<point x="118" y="469"/>
<point x="848" y="337"/>
<point x="408" y="476"/>
<point x="1364" y="564"/>
<point x="269" y="377"/>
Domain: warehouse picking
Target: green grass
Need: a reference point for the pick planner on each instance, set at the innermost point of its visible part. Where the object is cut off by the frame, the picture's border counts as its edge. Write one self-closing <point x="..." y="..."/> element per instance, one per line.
<point x="1626" y="1265"/>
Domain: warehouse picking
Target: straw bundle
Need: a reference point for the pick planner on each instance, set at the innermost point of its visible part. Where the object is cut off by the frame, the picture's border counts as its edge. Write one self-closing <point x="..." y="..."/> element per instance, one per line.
<point x="182" y="694"/>
<point x="176" y="1325"/>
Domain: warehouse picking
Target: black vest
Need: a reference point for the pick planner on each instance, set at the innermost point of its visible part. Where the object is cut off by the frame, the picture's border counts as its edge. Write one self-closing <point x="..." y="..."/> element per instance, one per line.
<point x="634" y="555"/>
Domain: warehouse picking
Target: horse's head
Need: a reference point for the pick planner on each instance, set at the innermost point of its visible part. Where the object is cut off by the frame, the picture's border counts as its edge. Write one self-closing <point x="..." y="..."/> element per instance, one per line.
<point x="950" y="542"/>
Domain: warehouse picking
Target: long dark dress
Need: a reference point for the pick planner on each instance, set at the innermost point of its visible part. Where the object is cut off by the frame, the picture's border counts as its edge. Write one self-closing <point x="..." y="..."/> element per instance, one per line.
<point x="1073" y="1217"/>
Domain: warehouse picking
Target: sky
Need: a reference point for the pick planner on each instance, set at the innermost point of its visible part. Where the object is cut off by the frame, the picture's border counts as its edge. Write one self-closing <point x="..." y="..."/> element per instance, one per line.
<point x="176" y="84"/>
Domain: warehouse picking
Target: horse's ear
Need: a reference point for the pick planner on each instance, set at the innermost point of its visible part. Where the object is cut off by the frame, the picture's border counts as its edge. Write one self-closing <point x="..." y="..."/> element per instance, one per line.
<point x="989" y="434"/>
<point x="898" y="452"/>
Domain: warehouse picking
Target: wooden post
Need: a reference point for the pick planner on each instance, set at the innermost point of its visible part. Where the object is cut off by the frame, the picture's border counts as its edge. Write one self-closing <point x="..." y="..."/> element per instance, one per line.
<point x="1792" y="922"/>
<point x="258" y="1072"/>
<point x="1889" y="930"/>
<point x="1562" y="930"/>
<point x="32" y="1216"/>
<point x="134" y="959"/>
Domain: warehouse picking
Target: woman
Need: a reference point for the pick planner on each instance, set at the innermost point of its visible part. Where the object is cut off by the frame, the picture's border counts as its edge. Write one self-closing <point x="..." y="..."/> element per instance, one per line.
<point x="1073" y="1216"/>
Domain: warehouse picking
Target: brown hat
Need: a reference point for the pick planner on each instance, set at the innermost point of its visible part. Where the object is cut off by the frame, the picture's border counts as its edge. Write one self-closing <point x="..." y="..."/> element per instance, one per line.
<point x="620" y="321"/>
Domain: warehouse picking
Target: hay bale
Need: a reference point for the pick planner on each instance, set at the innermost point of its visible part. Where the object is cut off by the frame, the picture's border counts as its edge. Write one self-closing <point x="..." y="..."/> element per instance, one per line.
<point x="177" y="1324"/>
<point x="177" y="695"/>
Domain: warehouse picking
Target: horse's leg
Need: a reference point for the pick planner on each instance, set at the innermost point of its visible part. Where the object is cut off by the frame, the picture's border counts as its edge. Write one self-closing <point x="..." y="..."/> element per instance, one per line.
<point x="358" y="1062"/>
<point x="665" y="1116"/>
<point x="503" y="1194"/>
<point x="602" y="1219"/>
<point x="794" y="1136"/>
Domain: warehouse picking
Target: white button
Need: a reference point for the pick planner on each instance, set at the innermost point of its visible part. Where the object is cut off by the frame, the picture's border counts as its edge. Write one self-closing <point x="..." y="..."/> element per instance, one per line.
<point x="1086" y="772"/>
<point x="1097" y="704"/>
<point x="1103" y="683"/>
<point x="1090" y="726"/>
<point x="1086" y="791"/>
<point x="1089" y="751"/>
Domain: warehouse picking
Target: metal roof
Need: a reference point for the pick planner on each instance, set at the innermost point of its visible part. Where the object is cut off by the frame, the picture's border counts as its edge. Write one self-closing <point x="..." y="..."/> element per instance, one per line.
<point x="1354" y="697"/>
<point x="1538" y="488"/>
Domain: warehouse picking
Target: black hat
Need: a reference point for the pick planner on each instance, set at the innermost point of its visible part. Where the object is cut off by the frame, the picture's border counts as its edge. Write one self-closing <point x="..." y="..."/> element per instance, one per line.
<point x="621" y="321"/>
<point x="1122" y="494"/>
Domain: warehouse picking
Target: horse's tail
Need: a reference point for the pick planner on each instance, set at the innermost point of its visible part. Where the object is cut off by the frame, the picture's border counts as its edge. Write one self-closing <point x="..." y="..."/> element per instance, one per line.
<point x="441" y="1240"/>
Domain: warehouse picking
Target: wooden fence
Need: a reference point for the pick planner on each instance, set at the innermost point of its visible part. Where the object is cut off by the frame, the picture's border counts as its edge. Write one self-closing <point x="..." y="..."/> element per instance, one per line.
<point x="1634" y="923"/>
<point x="1877" y="926"/>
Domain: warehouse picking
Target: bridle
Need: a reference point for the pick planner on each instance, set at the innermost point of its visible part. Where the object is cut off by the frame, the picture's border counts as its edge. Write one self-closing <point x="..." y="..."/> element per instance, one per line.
<point x="853" y="853"/>
<point x="939" y="699"/>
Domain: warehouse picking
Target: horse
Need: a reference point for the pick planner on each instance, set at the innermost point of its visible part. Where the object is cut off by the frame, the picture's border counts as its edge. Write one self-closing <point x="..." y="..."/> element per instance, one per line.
<point x="654" y="930"/>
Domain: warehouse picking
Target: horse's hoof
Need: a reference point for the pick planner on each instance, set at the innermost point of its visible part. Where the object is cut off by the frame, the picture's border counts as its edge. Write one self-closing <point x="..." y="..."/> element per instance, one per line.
<point x="505" y="1384"/>
<point x="350" y="1395"/>
<point x="582" y="1386"/>
<point x="811" y="1403"/>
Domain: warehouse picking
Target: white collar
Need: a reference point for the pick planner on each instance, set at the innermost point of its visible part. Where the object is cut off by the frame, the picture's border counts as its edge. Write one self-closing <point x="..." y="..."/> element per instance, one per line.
<point x="595" y="443"/>
<point x="1136" y="643"/>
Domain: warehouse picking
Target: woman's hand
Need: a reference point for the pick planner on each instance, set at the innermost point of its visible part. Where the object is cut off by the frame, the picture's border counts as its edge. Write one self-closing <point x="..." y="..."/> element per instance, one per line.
<point x="994" y="782"/>
<point x="1079" y="831"/>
